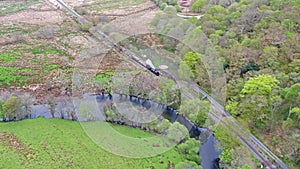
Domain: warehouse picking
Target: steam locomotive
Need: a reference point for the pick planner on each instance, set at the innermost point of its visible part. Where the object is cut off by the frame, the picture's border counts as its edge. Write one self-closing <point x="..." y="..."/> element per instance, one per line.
<point x="152" y="70"/>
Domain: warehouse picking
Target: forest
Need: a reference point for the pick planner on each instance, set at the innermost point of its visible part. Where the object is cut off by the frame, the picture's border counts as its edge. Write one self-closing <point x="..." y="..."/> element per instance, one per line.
<point x="247" y="58"/>
<point x="257" y="42"/>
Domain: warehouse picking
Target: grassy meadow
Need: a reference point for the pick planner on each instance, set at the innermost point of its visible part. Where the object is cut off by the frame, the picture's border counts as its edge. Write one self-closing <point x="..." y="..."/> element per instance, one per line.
<point x="56" y="143"/>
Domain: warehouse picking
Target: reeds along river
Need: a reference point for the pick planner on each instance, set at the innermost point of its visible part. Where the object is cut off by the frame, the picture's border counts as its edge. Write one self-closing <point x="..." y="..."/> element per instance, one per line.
<point x="92" y="108"/>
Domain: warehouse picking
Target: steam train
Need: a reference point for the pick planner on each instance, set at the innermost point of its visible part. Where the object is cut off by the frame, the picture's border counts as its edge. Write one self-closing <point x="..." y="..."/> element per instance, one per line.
<point x="152" y="70"/>
<point x="123" y="50"/>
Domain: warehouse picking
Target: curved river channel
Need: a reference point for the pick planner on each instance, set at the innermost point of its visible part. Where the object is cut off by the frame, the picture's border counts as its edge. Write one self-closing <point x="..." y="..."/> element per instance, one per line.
<point x="208" y="152"/>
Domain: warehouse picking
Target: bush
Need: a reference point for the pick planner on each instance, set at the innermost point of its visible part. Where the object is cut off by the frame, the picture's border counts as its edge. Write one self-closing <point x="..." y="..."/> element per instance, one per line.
<point x="198" y="4"/>
<point x="170" y="10"/>
<point x="190" y="149"/>
<point x="86" y="26"/>
<point x="177" y="132"/>
<point x="11" y="107"/>
<point x="178" y="8"/>
<point x="162" y="6"/>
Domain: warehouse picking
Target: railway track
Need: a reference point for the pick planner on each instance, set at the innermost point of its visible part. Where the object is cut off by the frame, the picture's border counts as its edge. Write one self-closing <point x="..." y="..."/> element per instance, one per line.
<point x="251" y="142"/>
<point x="258" y="149"/>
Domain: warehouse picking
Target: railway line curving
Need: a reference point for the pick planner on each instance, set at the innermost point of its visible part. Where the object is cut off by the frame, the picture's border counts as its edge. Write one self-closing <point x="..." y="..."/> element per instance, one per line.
<point x="261" y="152"/>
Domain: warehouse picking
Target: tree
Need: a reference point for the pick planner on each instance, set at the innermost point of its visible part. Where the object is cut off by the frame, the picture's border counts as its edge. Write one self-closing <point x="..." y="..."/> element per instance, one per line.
<point x="26" y="102"/>
<point x="257" y="99"/>
<point x="109" y="113"/>
<point x="191" y="59"/>
<point x="52" y="106"/>
<point x="11" y="107"/>
<point x="190" y="148"/>
<point x="177" y="132"/>
<point x="195" y="110"/>
<point x="198" y="4"/>
<point x="163" y="126"/>
<point x="262" y="85"/>
<point x="163" y="5"/>
<point x="292" y="95"/>
<point x="296" y="113"/>
<point x="185" y="71"/>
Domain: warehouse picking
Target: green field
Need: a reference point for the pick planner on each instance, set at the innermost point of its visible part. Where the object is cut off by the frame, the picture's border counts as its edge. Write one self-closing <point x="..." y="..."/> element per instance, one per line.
<point x="56" y="143"/>
<point x="25" y="64"/>
<point x="8" y="7"/>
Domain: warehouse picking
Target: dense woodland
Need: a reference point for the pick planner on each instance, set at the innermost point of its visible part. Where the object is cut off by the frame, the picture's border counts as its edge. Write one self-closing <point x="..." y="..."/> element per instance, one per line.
<point x="258" y="45"/>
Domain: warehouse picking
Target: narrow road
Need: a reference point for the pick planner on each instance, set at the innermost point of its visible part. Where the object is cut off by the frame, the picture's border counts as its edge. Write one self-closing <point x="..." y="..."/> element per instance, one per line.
<point x="261" y="152"/>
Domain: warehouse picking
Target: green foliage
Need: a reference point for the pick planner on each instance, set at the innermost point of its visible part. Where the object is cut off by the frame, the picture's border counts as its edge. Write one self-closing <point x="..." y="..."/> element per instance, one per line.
<point x="253" y="35"/>
<point x="198" y="4"/>
<point x="226" y="155"/>
<point x="86" y="26"/>
<point x="226" y="136"/>
<point x="170" y="10"/>
<point x="163" y="126"/>
<point x="194" y="21"/>
<point x="168" y="94"/>
<point x="258" y="101"/>
<point x="11" y="107"/>
<point x="162" y="6"/>
<point x="191" y="59"/>
<point x="190" y="148"/>
<point x="103" y="79"/>
<point x="185" y="72"/>
<point x="262" y="85"/>
<point x="296" y="112"/>
<point x="109" y="114"/>
<point x="232" y="107"/>
<point x="178" y="8"/>
<point x="292" y="94"/>
<point x="195" y="110"/>
<point x="177" y="132"/>
<point x="276" y="4"/>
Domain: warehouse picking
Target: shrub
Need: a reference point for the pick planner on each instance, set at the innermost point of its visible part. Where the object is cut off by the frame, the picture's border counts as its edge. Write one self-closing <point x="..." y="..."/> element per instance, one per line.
<point x="190" y="149"/>
<point x="178" y="8"/>
<point x="162" y="6"/>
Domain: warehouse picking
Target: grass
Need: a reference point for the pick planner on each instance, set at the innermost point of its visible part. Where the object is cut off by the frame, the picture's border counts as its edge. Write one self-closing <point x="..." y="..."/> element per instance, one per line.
<point x="13" y="7"/>
<point x="56" y="143"/>
<point x="18" y="27"/>
<point x="17" y="69"/>
<point x="113" y="4"/>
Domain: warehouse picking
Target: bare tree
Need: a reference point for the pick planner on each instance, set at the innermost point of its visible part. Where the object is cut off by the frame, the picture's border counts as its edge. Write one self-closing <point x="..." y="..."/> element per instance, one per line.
<point x="26" y="102"/>
<point x="52" y="106"/>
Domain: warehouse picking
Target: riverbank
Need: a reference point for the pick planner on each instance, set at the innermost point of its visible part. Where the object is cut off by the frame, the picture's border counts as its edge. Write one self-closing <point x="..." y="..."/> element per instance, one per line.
<point x="94" y="107"/>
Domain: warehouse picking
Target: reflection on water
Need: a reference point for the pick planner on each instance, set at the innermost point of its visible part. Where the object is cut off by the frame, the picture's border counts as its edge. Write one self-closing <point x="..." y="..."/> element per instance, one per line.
<point x="136" y="111"/>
